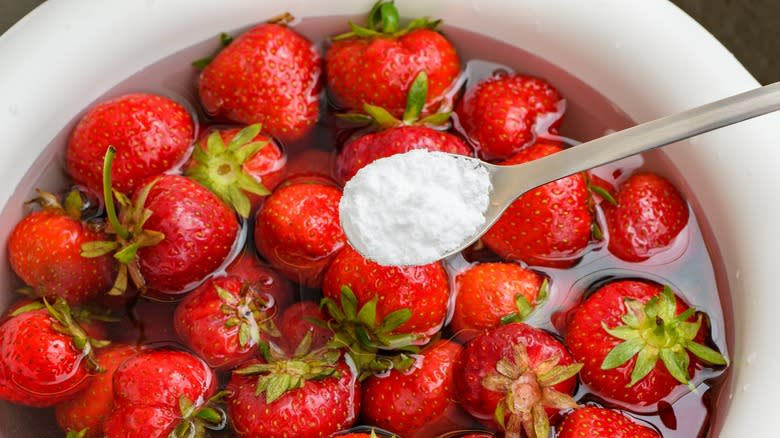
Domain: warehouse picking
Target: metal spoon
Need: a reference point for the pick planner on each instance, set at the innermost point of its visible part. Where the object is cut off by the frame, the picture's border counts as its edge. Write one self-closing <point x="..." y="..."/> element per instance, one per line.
<point x="509" y="182"/>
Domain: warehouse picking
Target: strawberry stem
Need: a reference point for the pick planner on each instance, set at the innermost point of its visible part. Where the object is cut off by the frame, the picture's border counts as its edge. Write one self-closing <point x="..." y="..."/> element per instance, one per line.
<point x="113" y="219"/>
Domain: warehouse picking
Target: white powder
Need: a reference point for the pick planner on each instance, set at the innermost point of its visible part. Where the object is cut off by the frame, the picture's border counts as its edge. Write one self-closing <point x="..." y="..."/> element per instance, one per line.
<point x="413" y="208"/>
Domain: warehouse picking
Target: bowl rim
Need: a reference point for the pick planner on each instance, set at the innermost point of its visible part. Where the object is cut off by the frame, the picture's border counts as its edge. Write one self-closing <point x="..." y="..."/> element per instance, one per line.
<point x="649" y="57"/>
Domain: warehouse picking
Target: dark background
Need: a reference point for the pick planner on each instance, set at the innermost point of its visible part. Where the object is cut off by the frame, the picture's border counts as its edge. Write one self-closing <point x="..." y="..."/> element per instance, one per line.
<point x="749" y="28"/>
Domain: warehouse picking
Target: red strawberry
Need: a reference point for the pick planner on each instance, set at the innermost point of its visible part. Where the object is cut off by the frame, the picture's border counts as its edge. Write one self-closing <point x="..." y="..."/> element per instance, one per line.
<point x="548" y="226"/>
<point x="171" y="236"/>
<point x="594" y="422"/>
<point x="408" y="402"/>
<point x="238" y="165"/>
<point x="295" y="324"/>
<point x="309" y="395"/>
<point x="161" y="392"/>
<point x="223" y="321"/>
<point x="45" y="356"/>
<point x="635" y="339"/>
<point x="491" y="293"/>
<point x="45" y="252"/>
<point x="649" y="214"/>
<point x="517" y="376"/>
<point x="298" y="231"/>
<point x="376" y="64"/>
<point x="268" y="75"/>
<point x="251" y="270"/>
<point x="501" y="113"/>
<point x="152" y="135"/>
<point x="91" y="406"/>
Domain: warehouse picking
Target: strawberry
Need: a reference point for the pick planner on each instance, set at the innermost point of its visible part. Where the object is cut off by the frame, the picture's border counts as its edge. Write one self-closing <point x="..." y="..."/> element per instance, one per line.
<point x="92" y="405"/>
<point x="501" y="114"/>
<point x="516" y="376"/>
<point x="223" y="321"/>
<point x="489" y="294"/>
<point x="268" y="75"/>
<point x="647" y="215"/>
<point x="370" y="433"/>
<point x="409" y="402"/>
<point x="377" y="64"/>
<point x="162" y="393"/>
<point x="296" y="322"/>
<point x="45" y="251"/>
<point x="239" y="166"/>
<point x="595" y="422"/>
<point x="548" y="226"/>
<point x="251" y="270"/>
<point x="310" y="394"/>
<point x="170" y="237"/>
<point x="46" y="357"/>
<point x="152" y="135"/>
<point x="635" y="339"/>
<point x="298" y="231"/>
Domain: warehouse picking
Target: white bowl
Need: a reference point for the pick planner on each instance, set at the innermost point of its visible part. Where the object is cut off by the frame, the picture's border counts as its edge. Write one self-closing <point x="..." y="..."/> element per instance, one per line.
<point x="647" y="57"/>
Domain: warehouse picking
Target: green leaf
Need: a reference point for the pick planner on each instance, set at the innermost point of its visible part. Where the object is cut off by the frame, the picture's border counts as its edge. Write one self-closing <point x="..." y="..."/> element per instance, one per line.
<point x="705" y="353"/>
<point x="668" y="304"/>
<point x="249" y="184"/>
<point x="595" y="231"/>
<point x="35" y="305"/>
<point x="239" y="201"/>
<point x="348" y="303"/>
<point x="73" y="204"/>
<point x="603" y="193"/>
<point x="645" y="362"/>
<point x="622" y="353"/>
<point x="277" y="386"/>
<point x="559" y="374"/>
<point x="523" y="306"/>
<point x="367" y="313"/>
<point x="499" y="415"/>
<point x="225" y="39"/>
<point x="541" y="421"/>
<point x="511" y="318"/>
<point x="128" y="253"/>
<point x="363" y="338"/>
<point x="332" y="308"/>
<point x="389" y="17"/>
<point x="215" y="146"/>
<point x="374" y="15"/>
<point x="98" y="248"/>
<point x="623" y="332"/>
<point x="676" y="363"/>
<point x="689" y="330"/>
<point x="304" y="346"/>
<point x="395" y="319"/>
<point x="226" y="297"/>
<point x="245" y="151"/>
<point x="381" y="116"/>
<point x="201" y="63"/>
<point x="210" y="415"/>
<point x="244" y="334"/>
<point x="360" y="31"/>
<point x="635" y="313"/>
<point x="544" y="290"/>
<point x="436" y="119"/>
<point x="186" y="407"/>
<point x="415" y="98"/>
<point x="244" y="136"/>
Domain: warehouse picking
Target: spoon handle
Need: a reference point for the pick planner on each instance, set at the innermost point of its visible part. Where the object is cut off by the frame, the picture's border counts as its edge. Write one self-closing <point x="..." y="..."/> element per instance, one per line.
<point x="651" y="135"/>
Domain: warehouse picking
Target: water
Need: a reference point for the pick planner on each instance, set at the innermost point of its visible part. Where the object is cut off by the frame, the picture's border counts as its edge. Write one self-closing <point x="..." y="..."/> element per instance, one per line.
<point x="691" y="266"/>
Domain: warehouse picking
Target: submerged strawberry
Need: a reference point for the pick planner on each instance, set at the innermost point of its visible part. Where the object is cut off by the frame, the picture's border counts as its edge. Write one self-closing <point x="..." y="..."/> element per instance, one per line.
<point x="638" y="341"/>
<point x="151" y="134"/>
<point x="377" y="64"/>
<point x="501" y="114"/>
<point x="516" y="376"/>
<point x="298" y="321"/>
<point x="594" y="422"/>
<point x="547" y="226"/>
<point x="239" y="166"/>
<point x="44" y="250"/>
<point x="298" y="231"/>
<point x="46" y="357"/>
<point x="262" y="277"/>
<point x="269" y="75"/>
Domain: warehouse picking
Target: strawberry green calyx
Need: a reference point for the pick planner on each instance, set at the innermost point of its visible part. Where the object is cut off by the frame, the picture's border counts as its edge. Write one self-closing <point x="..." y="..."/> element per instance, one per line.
<point x="195" y="421"/>
<point x="220" y="168"/>
<point x="77" y="434"/>
<point x="128" y="229"/>
<point x="280" y="374"/>
<point x="529" y="390"/>
<point x="73" y="204"/>
<point x="384" y="21"/>
<point x="371" y="344"/>
<point x="651" y="332"/>
<point x="250" y="312"/>
<point x="224" y="41"/>
<point x="524" y="307"/>
<point x="415" y="103"/>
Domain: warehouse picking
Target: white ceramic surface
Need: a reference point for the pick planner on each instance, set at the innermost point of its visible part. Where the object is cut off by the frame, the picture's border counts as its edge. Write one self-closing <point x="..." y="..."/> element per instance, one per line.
<point x="646" y="56"/>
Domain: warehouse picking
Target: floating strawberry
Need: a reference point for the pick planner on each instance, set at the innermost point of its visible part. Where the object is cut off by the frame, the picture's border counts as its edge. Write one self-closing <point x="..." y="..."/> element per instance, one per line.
<point x="516" y="376"/>
<point x="44" y="250"/>
<point x="251" y="270"/>
<point x="298" y="231"/>
<point x="46" y="357"/>
<point x="407" y="402"/>
<point x="171" y="236"/>
<point x="548" y="226"/>
<point x="89" y="409"/>
<point x="269" y="75"/>
<point x="399" y="136"/>
<point x="311" y="394"/>
<point x="649" y="213"/>
<point x="637" y="341"/>
<point x="376" y="64"/>
<point x="489" y="294"/>
<point x="296" y="322"/>
<point x="238" y="165"/>
<point x="501" y="114"/>
<point x="163" y="393"/>
<point x="594" y="422"/>
<point x="151" y="134"/>
<point x="224" y="320"/>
